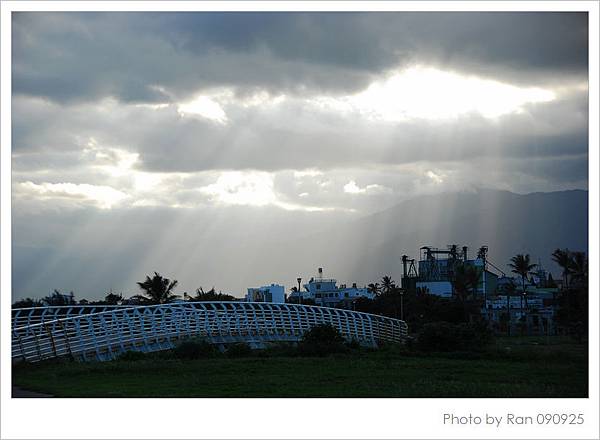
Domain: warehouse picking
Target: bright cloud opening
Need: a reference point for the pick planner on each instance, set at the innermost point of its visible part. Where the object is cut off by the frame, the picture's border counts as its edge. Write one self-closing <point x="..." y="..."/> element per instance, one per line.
<point x="239" y="188"/>
<point x="307" y="173"/>
<point x="436" y="178"/>
<point x="251" y="189"/>
<point x="204" y="106"/>
<point x="428" y="93"/>
<point x="102" y="196"/>
<point x="352" y="188"/>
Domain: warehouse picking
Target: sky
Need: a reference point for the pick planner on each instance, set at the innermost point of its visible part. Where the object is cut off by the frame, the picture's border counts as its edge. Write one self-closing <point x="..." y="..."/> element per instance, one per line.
<point x="176" y="141"/>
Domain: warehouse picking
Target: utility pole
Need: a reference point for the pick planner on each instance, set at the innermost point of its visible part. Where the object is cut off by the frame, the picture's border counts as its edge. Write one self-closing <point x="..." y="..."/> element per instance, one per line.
<point x="401" y="291"/>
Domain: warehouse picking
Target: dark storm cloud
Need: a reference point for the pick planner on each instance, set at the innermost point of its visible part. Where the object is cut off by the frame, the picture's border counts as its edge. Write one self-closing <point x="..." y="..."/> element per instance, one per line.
<point x="79" y="56"/>
<point x="376" y="41"/>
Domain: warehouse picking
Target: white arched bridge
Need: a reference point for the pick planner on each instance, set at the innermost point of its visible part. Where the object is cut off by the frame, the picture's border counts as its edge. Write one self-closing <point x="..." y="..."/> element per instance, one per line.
<point x="104" y="332"/>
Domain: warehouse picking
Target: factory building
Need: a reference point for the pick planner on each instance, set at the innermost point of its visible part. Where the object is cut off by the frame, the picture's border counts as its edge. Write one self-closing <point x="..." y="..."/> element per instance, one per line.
<point x="436" y="270"/>
<point x="506" y="305"/>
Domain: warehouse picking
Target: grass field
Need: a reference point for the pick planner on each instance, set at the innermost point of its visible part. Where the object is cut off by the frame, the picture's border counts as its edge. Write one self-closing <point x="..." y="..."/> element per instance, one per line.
<point x="515" y="367"/>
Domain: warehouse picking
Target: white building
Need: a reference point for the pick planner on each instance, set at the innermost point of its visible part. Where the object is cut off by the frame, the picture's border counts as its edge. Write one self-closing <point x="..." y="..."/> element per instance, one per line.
<point x="516" y="301"/>
<point x="274" y="293"/>
<point x="325" y="292"/>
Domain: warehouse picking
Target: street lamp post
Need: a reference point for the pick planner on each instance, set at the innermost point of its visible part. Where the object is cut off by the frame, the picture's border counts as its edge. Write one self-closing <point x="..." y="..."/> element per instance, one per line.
<point x="401" y="304"/>
<point x="299" y="292"/>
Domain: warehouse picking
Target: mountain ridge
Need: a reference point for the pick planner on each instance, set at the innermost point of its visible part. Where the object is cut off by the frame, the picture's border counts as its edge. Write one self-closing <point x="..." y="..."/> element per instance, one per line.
<point x="508" y="223"/>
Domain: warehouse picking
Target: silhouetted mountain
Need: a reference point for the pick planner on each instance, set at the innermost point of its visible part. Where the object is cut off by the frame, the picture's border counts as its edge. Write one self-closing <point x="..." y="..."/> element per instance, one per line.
<point x="236" y="248"/>
<point x="508" y="223"/>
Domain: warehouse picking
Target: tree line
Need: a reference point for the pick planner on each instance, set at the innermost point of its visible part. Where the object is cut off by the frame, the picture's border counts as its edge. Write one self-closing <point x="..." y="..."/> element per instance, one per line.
<point x="156" y="289"/>
<point x="414" y="306"/>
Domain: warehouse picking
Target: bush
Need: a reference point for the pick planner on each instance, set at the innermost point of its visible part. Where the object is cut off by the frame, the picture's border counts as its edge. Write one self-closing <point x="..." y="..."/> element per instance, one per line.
<point x="578" y="330"/>
<point x="194" y="350"/>
<point x="444" y="336"/>
<point x="353" y="344"/>
<point x="321" y="340"/>
<point x="239" y="350"/>
<point x="322" y="334"/>
<point x="131" y="355"/>
<point x="278" y="349"/>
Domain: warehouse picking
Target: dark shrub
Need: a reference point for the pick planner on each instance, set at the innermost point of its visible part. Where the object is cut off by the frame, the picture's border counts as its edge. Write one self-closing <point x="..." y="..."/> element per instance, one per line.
<point x="483" y="334"/>
<point x="322" y="334"/>
<point x="321" y="340"/>
<point x="278" y="349"/>
<point x="131" y="356"/>
<point x="410" y="343"/>
<point x="578" y="330"/>
<point x="194" y="350"/>
<point x="239" y="350"/>
<point x="353" y="344"/>
<point x="444" y="336"/>
<point x="162" y="354"/>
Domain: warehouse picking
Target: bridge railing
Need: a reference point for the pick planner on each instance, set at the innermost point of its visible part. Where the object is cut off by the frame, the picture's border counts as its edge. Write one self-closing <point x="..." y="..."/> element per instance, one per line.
<point x="105" y="334"/>
<point x="33" y="315"/>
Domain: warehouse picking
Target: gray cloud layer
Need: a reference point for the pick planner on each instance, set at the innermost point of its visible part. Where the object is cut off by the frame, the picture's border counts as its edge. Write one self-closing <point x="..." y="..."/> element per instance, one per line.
<point x="102" y="142"/>
<point x="74" y="57"/>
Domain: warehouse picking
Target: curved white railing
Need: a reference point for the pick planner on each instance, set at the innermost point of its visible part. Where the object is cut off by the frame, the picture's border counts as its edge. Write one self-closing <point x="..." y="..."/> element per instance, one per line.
<point x="34" y="315"/>
<point x="104" y="334"/>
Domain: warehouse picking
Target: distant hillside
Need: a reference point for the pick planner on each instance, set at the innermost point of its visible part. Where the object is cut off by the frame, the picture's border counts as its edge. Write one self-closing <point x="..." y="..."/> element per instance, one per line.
<point x="234" y="250"/>
<point x="508" y="223"/>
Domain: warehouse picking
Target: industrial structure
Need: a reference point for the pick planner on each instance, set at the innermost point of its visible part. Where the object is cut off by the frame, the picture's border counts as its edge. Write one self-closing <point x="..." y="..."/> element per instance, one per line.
<point x="437" y="268"/>
<point x="505" y="301"/>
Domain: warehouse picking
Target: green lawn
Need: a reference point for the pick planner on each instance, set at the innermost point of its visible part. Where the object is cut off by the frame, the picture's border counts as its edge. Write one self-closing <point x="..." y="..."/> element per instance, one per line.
<point x="515" y="367"/>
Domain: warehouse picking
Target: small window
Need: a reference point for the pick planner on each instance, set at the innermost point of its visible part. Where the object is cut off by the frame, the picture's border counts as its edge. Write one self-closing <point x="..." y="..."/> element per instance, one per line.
<point x="345" y="294"/>
<point x="318" y="287"/>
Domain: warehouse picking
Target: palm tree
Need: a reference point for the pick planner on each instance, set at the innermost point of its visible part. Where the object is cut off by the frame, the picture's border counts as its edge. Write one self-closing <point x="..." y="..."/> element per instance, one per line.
<point x="465" y="282"/>
<point x="473" y="277"/>
<point x="462" y="279"/>
<point x="460" y="283"/>
<point x="387" y="284"/>
<point x="112" y="298"/>
<point x="521" y="265"/>
<point x="562" y="257"/>
<point x="374" y="288"/>
<point x="59" y="299"/>
<point x="210" y="295"/>
<point x="158" y="290"/>
<point x="578" y="267"/>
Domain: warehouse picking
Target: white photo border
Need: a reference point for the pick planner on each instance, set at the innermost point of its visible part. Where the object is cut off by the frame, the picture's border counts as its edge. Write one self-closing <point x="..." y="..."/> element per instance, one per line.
<point x="287" y="418"/>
